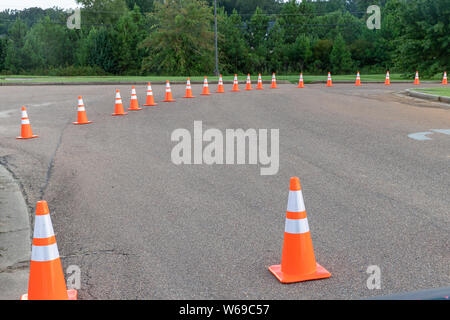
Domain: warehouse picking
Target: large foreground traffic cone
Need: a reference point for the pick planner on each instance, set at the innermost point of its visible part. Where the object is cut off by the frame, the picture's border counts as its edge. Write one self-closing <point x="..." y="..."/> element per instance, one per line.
<point x="300" y="81"/>
<point x="416" y="78"/>
<point x="220" y="88"/>
<point x="444" y="79"/>
<point x="235" y="84"/>
<point x="248" y="85"/>
<point x="25" y="130"/>
<point x="205" y="88"/>
<point x="274" y="82"/>
<point x="46" y="279"/>
<point x="259" y="86"/>
<point x="358" y="79"/>
<point x="118" y="106"/>
<point x="188" y="89"/>
<point x="134" y="104"/>
<point x="168" y="93"/>
<point x="329" y="81"/>
<point x="81" y="114"/>
<point x="298" y="262"/>
<point x="387" y="82"/>
<point x="150" y="99"/>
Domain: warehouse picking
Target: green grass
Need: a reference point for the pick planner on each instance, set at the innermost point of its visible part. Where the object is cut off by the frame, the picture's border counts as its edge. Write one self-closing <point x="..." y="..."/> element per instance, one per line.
<point x="436" y="91"/>
<point x="292" y="78"/>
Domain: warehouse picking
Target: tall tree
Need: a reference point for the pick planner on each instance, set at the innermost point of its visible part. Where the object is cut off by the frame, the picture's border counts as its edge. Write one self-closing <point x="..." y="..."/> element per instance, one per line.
<point x="340" y="57"/>
<point x="184" y="40"/>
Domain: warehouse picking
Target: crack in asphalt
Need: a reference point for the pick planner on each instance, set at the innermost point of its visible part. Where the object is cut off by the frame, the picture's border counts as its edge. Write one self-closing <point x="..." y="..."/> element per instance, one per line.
<point x="89" y="253"/>
<point x="21" y="265"/>
<point x="52" y="162"/>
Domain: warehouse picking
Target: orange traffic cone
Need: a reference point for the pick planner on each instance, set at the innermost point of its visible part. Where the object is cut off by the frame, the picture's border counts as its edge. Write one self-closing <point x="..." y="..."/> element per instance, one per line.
<point x="46" y="279"/>
<point x="220" y="88"/>
<point x="274" y="82"/>
<point x="25" y="131"/>
<point x="444" y="79"/>
<point x="150" y="100"/>
<point x="298" y="262"/>
<point x="118" y="107"/>
<point x="259" y="86"/>
<point x="235" y="84"/>
<point x="387" y="82"/>
<point x="300" y="81"/>
<point x="358" y="79"/>
<point x="416" y="78"/>
<point x="82" y="117"/>
<point x="249" y="83"/>
<point x="134" y="104"/>
<point x="205" y="88"/>
<point x="329" y="81"/>
<point x="168" y="93"/>
<point x="188" y="89"/>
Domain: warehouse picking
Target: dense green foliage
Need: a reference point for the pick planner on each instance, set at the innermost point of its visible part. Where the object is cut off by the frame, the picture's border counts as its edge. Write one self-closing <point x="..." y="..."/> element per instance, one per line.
<point x="139" y="37"/>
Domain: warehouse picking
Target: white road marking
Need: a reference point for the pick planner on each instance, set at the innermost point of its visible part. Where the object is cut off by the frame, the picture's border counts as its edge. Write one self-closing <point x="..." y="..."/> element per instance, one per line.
<point x="421" y="136"/>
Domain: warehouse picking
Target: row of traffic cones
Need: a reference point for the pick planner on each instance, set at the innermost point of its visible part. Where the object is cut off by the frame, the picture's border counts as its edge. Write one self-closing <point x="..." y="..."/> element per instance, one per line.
<point x="298" y="261"/>
<point x="26" y="132"/>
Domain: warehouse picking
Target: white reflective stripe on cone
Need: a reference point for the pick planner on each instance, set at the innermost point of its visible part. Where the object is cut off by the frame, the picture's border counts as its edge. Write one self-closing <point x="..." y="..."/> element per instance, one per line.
<point x="44" y="253"/>
<point x="295" y="201"/>
<point x="43" y="227"/>
<point x="133" y="97"/>
<point x="25" y="121"/>
<point x="80" y="102"/>
<point x="24" y="114"/>
<point x="296" y="226"/>
<point x="117" y="95"/>
<point x="118" y="101"/>
<point x="81" y="109"/>
<point x="133" y="91"/>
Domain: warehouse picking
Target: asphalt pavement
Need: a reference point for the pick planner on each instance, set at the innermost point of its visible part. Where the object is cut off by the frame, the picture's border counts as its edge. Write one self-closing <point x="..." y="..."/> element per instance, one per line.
<point x="141" y="227"/>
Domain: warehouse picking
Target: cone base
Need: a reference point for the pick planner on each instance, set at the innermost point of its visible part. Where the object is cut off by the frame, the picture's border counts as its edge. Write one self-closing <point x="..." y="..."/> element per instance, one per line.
<point x="135" y="109"/>
<point x="235" y="90"/>
<point x="189" y="97"/>
<point x="33" y="136"/>
<point x="119" y="114"/>
<point x="78" y="123"/>
<point x="273" y="87"/>
<point x="220" y="91"/>
<point x="169" y="100"/>
<point x="150" y="105"/>
<point x="321" y="273"/>
<point x="300" y="86"/>
<point x="248" y="89"/>
<point x="259" y="88"/>
<point x="205" y="94"/>
<point x="72" y="294"/>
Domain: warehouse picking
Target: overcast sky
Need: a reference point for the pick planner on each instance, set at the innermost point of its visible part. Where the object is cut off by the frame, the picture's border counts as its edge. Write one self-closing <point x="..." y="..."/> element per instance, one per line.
<point x="21" y="4"/>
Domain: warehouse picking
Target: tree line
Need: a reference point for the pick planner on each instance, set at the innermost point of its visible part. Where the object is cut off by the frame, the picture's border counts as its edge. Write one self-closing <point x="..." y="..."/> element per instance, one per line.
<point x="176" y="37"/>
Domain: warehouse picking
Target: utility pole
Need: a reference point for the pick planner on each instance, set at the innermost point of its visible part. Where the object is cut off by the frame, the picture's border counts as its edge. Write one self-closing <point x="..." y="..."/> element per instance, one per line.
<point x="215" y="38"/>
